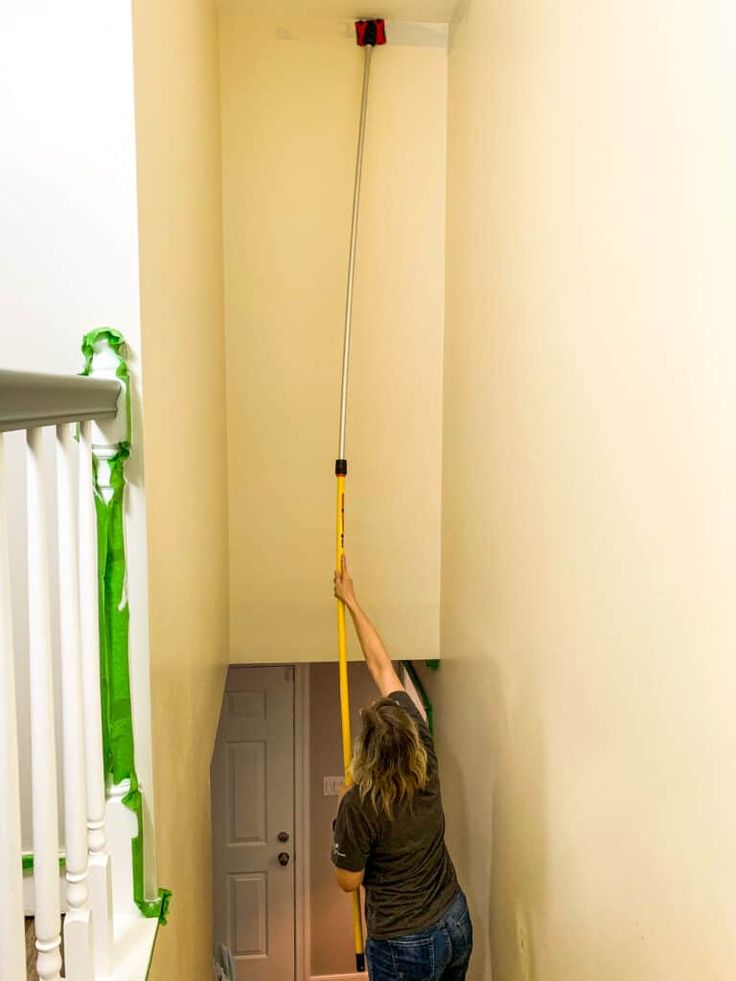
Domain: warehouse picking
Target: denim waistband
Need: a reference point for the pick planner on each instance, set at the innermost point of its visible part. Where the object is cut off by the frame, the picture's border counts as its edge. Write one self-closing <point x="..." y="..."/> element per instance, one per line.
<point x="456" y="908"/>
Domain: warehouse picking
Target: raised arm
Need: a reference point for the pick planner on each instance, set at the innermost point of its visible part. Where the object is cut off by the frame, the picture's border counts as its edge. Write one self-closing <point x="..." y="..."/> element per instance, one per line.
<point x="374" y="651"/>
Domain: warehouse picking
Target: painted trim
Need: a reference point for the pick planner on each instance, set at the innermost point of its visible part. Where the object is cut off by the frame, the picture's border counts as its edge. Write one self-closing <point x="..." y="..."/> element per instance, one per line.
<point x="29" y="399"/>
<point x="302" y="918"/>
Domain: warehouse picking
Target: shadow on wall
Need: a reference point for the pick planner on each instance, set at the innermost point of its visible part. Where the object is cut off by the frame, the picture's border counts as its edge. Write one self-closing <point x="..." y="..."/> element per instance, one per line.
<point x="495" y="812"/>
<point x="517" y="888"/>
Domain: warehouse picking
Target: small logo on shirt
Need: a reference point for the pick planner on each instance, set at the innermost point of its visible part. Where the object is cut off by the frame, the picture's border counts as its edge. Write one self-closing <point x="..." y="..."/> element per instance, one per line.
<point x="336" y="850"/>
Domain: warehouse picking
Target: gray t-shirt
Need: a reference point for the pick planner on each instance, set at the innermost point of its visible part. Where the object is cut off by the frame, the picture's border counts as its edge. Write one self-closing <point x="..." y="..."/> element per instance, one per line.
<point x="409" y="877"/>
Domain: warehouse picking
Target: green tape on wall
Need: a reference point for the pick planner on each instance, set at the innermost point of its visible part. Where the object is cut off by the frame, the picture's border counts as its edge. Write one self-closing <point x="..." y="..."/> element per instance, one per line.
<point x="117" y="716"/>
<point x="28" y="861"/>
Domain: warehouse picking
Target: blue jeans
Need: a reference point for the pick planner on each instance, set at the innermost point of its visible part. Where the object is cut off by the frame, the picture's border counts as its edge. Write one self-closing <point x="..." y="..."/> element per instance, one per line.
<point x="439" y="953"/>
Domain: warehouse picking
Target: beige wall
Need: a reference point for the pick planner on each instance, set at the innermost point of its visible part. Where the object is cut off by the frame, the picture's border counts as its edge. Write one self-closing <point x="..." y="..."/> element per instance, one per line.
<point x="331" y="910"/>
<point x="290" y="97"/>
<point x="177" y="81"/>
<point x="585" y="704"/>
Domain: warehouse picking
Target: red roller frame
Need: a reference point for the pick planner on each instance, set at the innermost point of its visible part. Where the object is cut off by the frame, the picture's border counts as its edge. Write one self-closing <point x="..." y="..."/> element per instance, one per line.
<point x="371" y="32"/>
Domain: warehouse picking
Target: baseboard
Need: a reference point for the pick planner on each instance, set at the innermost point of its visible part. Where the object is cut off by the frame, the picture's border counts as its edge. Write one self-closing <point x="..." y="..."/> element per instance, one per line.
<point x="339" y="977"/>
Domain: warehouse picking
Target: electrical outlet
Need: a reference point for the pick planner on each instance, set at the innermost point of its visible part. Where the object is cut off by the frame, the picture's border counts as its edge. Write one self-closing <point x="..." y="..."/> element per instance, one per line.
<point x="331" y="786"/>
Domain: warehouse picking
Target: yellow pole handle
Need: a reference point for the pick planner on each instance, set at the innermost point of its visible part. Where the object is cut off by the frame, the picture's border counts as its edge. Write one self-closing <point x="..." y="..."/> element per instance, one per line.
<point x="347" y="744"/>
<point x="342" y="640"/>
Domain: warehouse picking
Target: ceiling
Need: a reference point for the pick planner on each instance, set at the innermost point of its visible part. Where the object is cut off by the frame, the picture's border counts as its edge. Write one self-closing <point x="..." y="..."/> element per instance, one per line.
<point x="426" y="11"/>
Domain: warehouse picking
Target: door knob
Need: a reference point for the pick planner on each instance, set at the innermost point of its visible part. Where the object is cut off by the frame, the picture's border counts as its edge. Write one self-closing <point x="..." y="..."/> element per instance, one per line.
<point x="283" y="859"/>
<point x="282" y="836"/>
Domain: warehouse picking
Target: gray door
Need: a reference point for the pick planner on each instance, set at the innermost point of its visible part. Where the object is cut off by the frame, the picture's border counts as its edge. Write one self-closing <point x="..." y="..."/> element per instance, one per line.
<point x="253" y="823"/>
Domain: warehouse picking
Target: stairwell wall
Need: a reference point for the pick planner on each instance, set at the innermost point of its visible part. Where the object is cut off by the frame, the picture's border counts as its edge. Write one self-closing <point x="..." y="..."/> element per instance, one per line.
<point x="290" y="107"/>
<point x="180" y="218"/>
<point x="585" y="703"/>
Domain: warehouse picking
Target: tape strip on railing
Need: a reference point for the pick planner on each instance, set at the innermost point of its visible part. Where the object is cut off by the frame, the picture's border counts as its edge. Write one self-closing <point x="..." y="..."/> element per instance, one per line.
<point x="117" y="716"/>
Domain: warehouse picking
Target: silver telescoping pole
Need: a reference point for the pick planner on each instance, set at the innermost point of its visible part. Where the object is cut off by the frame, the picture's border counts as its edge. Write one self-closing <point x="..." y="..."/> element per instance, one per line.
<point x="353" y="244"/>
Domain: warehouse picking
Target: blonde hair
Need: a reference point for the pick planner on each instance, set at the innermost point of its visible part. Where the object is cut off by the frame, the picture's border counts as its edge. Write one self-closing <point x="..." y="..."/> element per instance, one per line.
<point x="389" y="764"/>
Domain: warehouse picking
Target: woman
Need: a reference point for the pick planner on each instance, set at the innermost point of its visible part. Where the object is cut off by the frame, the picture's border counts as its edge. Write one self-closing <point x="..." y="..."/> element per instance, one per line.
<point x="390" y="832"/>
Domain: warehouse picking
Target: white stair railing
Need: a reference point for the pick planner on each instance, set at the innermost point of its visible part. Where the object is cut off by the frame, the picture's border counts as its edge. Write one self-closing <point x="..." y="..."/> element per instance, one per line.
<point x="77" y="924"/>
<point x="12" y="948"/>
<point x="100" y="880"/>
<point x="43" y="727"/>
<point x="31" y="402"/>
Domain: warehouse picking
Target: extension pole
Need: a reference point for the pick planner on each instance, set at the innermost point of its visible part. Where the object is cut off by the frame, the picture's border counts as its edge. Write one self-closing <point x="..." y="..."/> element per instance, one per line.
<point x="353" y="248"/>
<point x="341" y="464"/>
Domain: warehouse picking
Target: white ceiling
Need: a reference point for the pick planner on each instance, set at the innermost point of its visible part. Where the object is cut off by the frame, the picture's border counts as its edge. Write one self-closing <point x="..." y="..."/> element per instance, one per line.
<point x="426" y="11"/>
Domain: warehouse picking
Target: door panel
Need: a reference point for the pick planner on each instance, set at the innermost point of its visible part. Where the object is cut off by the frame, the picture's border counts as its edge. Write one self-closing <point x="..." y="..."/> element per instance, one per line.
<point x="246" y="792"/>
<point x="252" y="803"/>
<point x="248" y="915"/>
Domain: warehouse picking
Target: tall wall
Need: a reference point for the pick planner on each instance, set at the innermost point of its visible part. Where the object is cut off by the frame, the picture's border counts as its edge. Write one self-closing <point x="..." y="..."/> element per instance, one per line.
<point x="585" y="703"/>
<point x="290" y="98"/>
<point x="179" y="180"/>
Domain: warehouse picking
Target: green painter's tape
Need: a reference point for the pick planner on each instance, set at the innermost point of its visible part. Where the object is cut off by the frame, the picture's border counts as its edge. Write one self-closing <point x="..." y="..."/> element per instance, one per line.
<point x="117" y="724"/>
<point x="163" y="914"/>
<point x="114" y="614"/>
<point x="428" y="707"/>
<point x="117" y="721"/>
<point x="117" y="342"/>
<point x="27" y="860"/>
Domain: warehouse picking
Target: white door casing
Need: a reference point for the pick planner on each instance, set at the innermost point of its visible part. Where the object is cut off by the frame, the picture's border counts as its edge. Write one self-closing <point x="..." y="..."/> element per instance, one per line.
<point x="252" y="805"/>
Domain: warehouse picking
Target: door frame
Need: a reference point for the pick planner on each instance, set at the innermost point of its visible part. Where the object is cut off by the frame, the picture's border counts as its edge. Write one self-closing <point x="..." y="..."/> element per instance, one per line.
<point x="302" y="919"/>
<point x="302" y="898"/>
<point x="302" y="903"/>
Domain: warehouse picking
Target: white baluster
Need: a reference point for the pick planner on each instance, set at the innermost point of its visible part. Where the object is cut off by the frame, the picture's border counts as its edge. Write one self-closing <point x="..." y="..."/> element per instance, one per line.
<point x="43" y="777"/>
<point x="12" y="947"/>
<point x="100" y="881"/>
<point x="78" y="964"/>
